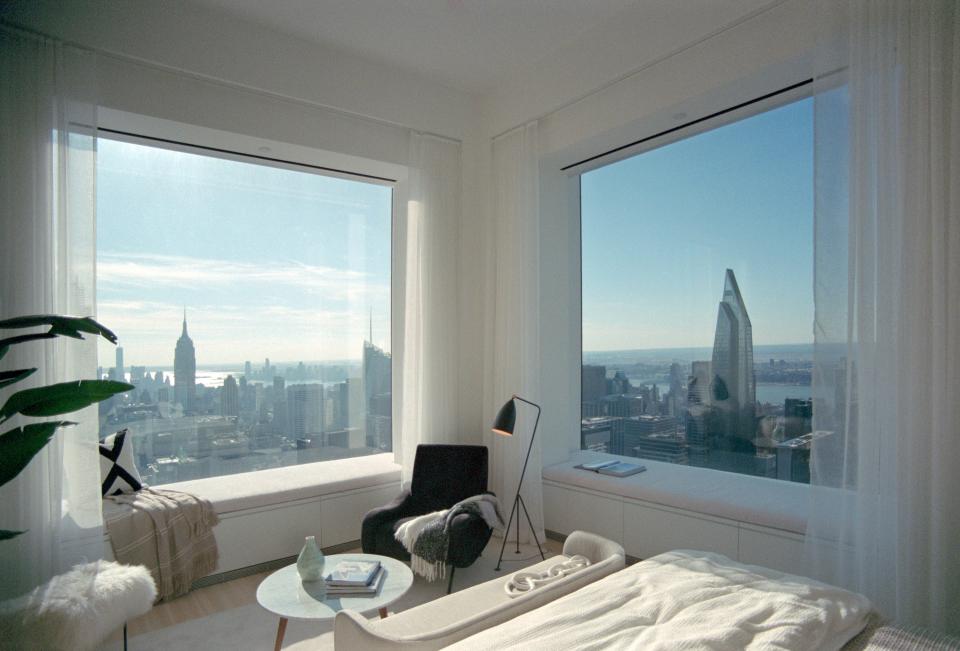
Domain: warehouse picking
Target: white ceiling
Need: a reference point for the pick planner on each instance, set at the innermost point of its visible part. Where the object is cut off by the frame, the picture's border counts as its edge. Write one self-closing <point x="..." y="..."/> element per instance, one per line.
<point x="473" y="45"/>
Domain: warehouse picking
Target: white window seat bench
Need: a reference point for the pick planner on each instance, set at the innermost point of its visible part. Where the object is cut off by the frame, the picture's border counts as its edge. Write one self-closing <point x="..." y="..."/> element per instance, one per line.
<point x="265" y="515"/>
<point x="750" y="519"/>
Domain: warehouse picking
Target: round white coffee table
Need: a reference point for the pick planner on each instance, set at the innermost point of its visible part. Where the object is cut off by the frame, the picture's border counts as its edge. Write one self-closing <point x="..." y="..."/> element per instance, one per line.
<point x="285" y="595"/>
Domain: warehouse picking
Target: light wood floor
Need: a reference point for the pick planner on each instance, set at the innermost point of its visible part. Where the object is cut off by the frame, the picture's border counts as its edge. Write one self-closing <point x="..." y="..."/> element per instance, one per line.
<point x="199" y="603"/>
<point x="210" y="600"/>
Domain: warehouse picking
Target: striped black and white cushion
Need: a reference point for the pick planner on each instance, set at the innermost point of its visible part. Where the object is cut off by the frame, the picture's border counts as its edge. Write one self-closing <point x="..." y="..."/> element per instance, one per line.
<point x="118" y="472"/>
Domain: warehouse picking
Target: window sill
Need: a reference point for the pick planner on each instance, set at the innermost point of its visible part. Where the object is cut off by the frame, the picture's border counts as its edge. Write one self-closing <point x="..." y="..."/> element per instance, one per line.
<point x="758" y="501"/>
<point x="263" y="488"/>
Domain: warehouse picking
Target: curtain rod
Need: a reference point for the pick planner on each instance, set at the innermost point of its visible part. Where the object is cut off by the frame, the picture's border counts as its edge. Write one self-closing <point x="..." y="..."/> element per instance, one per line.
<point x="271" y="159"/>
<point x="234" y="85"/>
<point x="638" y="70"/>
<point x="715" y="114"/>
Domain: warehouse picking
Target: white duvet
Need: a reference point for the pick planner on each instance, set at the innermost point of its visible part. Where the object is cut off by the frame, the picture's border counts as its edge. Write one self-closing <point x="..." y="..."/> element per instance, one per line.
<point x="688" y="600"/>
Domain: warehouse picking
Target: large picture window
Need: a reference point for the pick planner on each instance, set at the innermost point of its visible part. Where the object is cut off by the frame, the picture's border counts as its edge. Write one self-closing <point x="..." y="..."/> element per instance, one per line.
<point x="252" y="304"/>
<point x="697" y="263"/>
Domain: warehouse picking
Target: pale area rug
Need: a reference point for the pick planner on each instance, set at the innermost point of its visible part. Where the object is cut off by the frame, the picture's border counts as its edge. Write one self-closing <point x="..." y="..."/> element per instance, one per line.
<point x="252" y="627"/>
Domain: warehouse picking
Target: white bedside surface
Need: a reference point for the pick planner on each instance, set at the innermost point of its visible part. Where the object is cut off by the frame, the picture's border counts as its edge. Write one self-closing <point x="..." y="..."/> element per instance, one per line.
<point x="283" y="594"/>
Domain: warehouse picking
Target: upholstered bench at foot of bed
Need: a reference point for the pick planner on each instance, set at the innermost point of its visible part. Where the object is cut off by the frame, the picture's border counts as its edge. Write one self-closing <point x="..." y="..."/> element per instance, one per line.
<point x="459" y="615"/>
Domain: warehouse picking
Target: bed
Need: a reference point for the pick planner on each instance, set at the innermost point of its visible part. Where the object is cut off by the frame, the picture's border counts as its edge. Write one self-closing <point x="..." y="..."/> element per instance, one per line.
<point x="699" y="600"/>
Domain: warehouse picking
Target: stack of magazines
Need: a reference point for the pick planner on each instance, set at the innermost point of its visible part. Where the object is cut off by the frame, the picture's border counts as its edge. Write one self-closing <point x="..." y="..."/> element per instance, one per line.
<point x="355" y="578"/>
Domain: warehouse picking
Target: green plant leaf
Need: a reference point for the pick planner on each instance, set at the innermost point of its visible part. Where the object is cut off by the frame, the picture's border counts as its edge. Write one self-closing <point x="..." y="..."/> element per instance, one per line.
<point x="9" y="377"/>
<point x="61" y="398"/>
<point x="67" y="326"/>
<point x="19" y="446"/>
<point x="6" y="534"/>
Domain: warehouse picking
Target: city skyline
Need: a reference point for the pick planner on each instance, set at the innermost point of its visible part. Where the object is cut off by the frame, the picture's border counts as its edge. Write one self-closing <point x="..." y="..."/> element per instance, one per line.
<point x="186" y="365"/>
<point x="183" y="428"/>
<point x="709" y="416"/>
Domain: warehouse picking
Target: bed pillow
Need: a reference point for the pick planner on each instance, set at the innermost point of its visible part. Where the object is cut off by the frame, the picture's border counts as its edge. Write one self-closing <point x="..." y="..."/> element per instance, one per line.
<point x="118" y="472"/>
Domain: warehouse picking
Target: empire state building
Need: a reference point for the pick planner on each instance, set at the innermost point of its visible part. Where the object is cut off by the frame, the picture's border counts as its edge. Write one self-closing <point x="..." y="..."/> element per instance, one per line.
<point x="185" y="371"/>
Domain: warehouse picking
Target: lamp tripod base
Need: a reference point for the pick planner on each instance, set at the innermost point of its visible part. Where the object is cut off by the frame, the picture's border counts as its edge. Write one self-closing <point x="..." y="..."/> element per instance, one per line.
<point x="517" y="505"/>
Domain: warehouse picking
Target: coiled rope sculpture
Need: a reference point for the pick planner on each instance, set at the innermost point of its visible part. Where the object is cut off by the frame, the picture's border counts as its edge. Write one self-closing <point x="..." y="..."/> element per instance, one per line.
<point x="523" y="582"/>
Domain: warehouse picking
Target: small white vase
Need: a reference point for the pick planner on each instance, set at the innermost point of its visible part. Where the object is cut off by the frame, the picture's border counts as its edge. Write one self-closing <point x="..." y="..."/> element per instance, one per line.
<point x="310" y="561"/>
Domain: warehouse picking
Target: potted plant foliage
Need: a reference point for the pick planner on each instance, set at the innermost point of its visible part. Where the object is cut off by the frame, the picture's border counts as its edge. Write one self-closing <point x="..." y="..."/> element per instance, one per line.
<point x="20" y="444"/>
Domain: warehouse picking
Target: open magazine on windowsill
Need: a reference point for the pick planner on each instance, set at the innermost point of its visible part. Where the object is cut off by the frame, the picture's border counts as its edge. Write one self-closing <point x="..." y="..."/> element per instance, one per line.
<point x="612" y="468"/>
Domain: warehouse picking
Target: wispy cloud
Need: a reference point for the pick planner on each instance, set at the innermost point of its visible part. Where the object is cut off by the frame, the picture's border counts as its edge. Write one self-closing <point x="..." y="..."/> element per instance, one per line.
<point x="174" y="270"/>
<point x="124" y="271"/>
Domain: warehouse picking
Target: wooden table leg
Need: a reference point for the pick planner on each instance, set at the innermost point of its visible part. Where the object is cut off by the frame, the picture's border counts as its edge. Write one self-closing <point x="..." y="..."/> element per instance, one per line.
<point x="281" y="629"/>
<point x="383" y="613"/>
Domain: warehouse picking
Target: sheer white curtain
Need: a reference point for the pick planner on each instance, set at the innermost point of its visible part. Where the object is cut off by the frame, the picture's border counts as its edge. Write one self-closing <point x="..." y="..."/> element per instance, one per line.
<point x="512" y="345"/>
<point x="885" y="512"/>
<point x="429" y="380"/>
<point x="47" y="254"/>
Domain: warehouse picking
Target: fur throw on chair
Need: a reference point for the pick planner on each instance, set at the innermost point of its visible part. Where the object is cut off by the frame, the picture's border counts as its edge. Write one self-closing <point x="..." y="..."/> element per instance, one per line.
<point x="78" y="609"/>
<point x="427" y="537"/>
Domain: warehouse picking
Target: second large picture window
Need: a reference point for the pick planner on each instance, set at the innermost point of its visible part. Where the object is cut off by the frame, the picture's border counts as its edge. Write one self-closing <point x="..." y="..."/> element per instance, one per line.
<point x="697" y="280"/>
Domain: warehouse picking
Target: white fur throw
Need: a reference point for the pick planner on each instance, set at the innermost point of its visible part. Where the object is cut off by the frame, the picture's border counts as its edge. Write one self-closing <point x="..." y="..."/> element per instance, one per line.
<point x="78" y="609"/>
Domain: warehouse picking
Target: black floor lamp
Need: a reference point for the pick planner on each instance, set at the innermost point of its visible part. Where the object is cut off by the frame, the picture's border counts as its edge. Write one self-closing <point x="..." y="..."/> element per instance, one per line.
<point x="504" y="424"/>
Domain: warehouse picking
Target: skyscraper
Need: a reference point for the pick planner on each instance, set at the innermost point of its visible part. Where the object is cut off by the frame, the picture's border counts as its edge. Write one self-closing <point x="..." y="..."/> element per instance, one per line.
<point x="698" y="383"/>
<point x="230" y="397"/>
<point x="304" y="411"/>
<point x="120" y="369"/>
<point x="733" y="389"/>
<point x="377" y="396"/>
<point x="597" y="434"/>
<point x="654" y="437"/>
<point x="593" y="382"/>
<point x="698" y="409"/>
<point x="185" y="371"/>
<point x="279" y="402"/>
<point x="676" y="379"/>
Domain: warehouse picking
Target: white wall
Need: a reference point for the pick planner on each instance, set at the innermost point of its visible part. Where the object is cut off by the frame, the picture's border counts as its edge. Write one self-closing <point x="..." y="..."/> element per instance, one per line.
<point x="476" y="151"/>
<point x="187" y="37"/>
<point x="765" y="52"/>
<point x="638" y="36"/>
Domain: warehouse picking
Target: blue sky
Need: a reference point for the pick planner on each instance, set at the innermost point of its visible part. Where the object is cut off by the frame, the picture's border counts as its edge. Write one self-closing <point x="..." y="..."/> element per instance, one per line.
<point x="660" y="229"/>
<point x="268" y="262"/>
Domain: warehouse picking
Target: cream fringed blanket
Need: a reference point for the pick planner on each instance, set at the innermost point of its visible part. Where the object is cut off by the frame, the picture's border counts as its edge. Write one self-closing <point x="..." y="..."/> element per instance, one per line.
<point x="168" y="531"/>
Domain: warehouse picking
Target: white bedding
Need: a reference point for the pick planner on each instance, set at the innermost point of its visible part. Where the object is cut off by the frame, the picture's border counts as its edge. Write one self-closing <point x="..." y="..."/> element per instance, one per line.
<point x="688" y="600"/>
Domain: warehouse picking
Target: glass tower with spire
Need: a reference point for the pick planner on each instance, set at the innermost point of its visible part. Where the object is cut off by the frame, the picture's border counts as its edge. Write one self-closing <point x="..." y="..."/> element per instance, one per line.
<point x="185" y="371"/>
<point x="734" y="389"/>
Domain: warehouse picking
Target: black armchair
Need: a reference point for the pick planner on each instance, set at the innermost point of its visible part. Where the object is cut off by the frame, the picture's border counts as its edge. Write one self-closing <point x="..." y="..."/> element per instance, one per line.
<point x="442" y="476"/>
